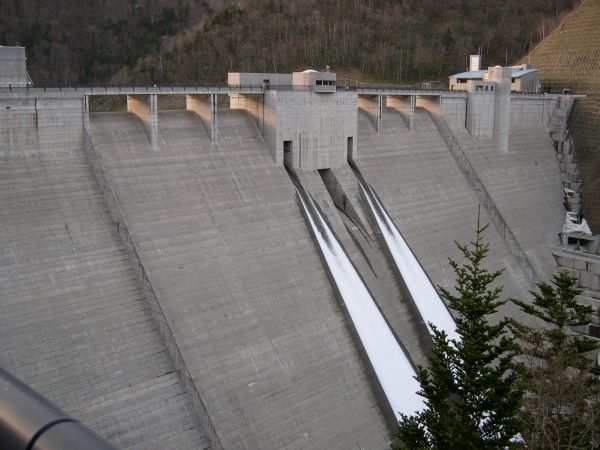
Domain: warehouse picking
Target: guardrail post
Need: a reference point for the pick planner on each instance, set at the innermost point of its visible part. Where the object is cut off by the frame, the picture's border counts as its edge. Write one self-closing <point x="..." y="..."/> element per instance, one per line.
<point x="86" y="111"/>
<point x="411" y="112"/>
<point x="380" y="113"/>
<point x="213" y="119"/>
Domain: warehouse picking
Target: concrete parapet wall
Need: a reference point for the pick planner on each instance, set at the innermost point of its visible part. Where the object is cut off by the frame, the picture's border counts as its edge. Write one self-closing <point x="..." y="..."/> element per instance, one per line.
<point x="454" y="111"/>
<point x="32" y="125"/>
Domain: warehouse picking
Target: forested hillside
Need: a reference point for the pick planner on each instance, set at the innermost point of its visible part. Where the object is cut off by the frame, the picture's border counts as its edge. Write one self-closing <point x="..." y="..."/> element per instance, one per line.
<point x="191" y="41"/>
<point x="88" y="41"/>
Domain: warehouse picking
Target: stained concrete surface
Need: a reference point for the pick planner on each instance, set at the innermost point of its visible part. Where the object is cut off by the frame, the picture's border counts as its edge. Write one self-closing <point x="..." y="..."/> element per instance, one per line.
<point x="241" y="283"/>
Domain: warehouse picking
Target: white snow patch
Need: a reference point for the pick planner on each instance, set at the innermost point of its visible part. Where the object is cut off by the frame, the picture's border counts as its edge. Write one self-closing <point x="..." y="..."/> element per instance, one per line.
<point x="428" y="302"/>
<point x="391" y="365"/>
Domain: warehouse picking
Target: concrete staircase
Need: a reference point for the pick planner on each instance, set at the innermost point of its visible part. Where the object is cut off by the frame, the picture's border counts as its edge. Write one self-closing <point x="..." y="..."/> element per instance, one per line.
<point x="74" y="322"/>
<point x="240" y="284"/>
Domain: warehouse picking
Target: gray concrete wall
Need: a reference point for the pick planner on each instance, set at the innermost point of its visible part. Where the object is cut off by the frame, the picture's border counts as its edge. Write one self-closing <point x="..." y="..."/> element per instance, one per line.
<point x="240" y="283"/>
<point x="225" y="264"/>
<point x="18" y="122"/>
<point x="454" y="111"/>
<point x="481" y="115"/>
<point x="430" y="200"/>
<point x="74" y="323"/>
<point x="34" y="125"/>
<point x="318" y="125"/>
<point x="527" y="111"/>
<point x="525" y="185"/>
<point x="12" y="67"/>
<point x="501" y="77"/>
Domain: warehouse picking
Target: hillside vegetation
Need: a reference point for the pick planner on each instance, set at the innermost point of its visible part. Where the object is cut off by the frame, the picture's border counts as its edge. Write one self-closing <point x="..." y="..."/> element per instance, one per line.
<point x="570" y="57"/>
<point x="191" y="41"/>
<point x="88" y="41"/>
<point x="395" y="41"/>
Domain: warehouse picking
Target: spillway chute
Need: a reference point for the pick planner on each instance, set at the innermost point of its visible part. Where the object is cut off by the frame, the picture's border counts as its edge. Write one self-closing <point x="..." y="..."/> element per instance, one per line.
<point x="393" y="368"/>
<point x="430" y="306"/>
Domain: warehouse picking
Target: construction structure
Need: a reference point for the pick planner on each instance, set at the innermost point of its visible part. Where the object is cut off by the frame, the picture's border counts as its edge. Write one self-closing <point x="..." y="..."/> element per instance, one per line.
<point x="523" y="78"/>
<point x="172" y="277"/>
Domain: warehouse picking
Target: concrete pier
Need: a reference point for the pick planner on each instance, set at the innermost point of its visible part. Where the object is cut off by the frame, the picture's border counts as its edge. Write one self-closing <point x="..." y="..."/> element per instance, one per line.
<point x="206" y="107"/>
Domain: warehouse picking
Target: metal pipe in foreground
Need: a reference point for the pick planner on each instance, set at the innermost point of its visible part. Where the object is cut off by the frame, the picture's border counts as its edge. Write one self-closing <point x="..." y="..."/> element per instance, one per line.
<point x="28" y="421"/>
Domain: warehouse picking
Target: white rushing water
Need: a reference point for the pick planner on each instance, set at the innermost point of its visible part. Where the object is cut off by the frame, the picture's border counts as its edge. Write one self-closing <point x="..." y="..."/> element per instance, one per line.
<point x="392" y="367"/>
<point x="428" y="302"/>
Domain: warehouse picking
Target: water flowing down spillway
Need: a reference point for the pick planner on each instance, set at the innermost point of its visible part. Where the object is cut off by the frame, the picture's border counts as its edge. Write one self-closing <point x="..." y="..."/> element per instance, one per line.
<point x="391" y="365"/>
<point x="428" y="302"/>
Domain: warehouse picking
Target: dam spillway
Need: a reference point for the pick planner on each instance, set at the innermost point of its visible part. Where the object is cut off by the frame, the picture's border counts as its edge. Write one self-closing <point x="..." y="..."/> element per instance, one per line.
<point x="393" y="369"/>
<point x="426" y="299"/>
<point x="171" y="296"/>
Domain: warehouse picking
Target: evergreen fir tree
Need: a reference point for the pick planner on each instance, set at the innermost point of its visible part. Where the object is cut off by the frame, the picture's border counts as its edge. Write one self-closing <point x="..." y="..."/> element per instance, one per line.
<point x="471" y="392"/>
<point x="561" y="407"/>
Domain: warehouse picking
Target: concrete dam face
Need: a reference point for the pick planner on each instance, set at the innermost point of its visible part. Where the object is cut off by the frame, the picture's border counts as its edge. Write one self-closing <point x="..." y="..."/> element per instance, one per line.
<point x="172" y="278"/>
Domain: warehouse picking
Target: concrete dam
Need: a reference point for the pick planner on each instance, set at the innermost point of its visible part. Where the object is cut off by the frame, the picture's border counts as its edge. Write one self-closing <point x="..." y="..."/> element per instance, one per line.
<point x="164" y="275"/>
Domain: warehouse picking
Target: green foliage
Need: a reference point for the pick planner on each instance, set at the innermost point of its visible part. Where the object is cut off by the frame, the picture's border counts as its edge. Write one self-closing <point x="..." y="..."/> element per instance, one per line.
<point x="562" y="403"/>
<point x="472" y="395"/>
